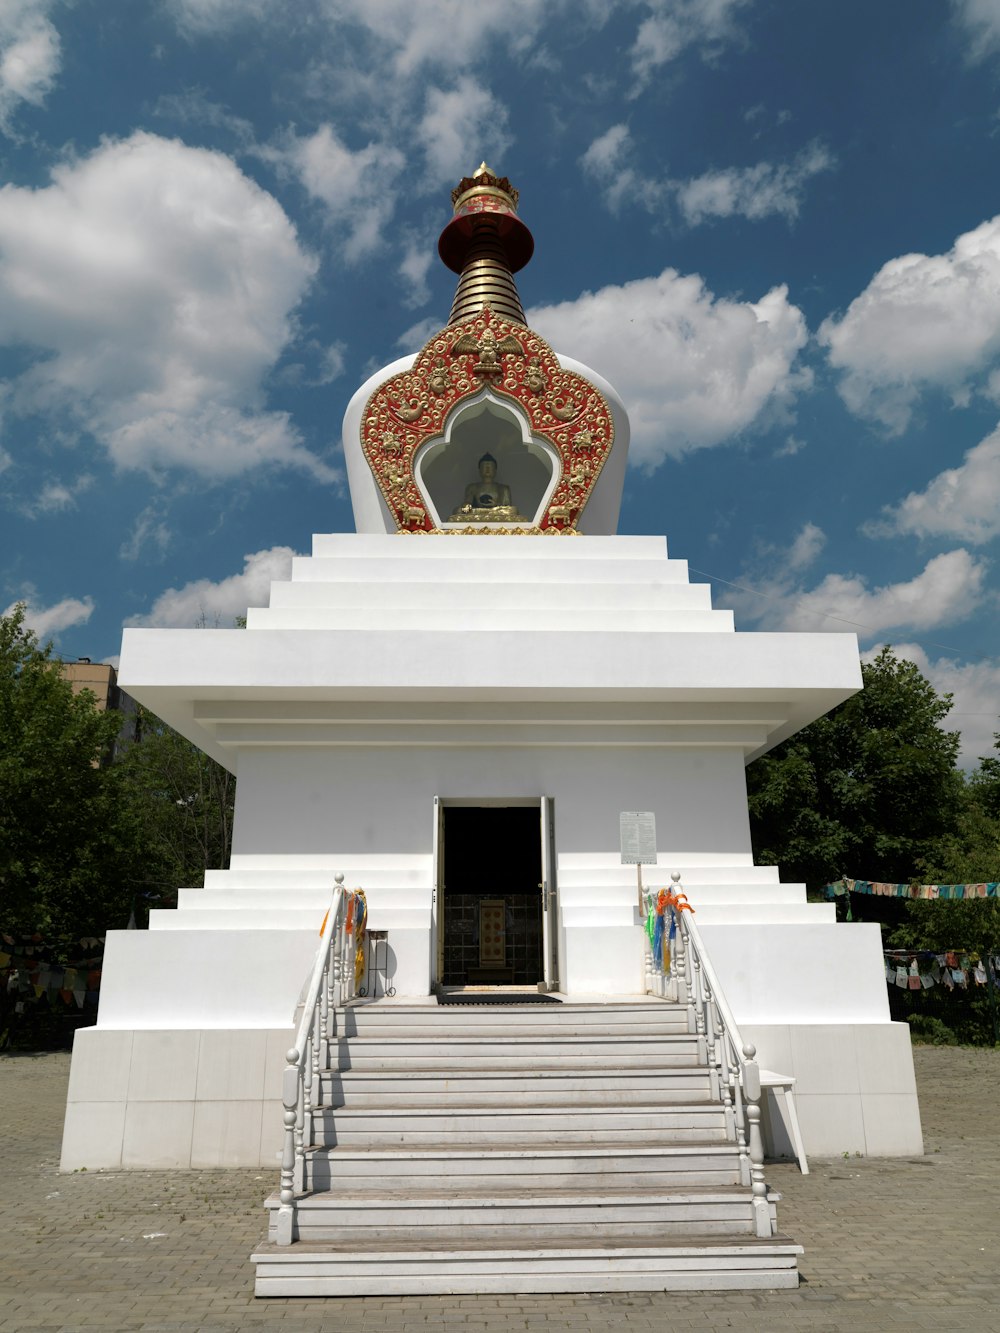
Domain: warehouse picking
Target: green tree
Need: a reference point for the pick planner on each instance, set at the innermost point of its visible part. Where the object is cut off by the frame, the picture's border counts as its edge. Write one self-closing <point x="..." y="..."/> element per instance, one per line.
<point x="67" y="846"/>
<point x="183" y="807"/>
<point x="868" y="791"/>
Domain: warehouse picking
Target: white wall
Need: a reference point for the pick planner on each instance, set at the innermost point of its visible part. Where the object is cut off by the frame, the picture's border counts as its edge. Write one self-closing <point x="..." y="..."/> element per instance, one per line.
<point x="330" y="800"/>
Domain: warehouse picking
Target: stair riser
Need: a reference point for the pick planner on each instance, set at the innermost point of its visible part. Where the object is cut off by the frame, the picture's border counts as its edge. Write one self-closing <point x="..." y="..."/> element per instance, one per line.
<point x="555" y="1124"/>
<point x="510" y="1092"/>
<point x="510" y="1284"/>
<point x="362" y="1101"/>
<point x="368" y="1061"/>
<point x="607" y="1221"/>
<point x="492" y="1138"/>
<point x="509" y="1031"/>
<point x="596" y="1052"/>
<point x="336" y="1175"/>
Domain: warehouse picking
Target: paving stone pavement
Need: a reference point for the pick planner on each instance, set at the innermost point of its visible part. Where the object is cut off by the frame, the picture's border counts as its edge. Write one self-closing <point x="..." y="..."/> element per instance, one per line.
<point x="890" y="1243"/>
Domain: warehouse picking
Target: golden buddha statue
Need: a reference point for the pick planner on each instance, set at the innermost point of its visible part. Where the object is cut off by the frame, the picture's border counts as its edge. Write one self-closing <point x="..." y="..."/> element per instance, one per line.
<point x="487" y="500"/>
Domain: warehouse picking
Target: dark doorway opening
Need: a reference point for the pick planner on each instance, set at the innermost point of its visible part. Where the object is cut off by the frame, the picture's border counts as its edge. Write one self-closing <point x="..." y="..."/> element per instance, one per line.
<point x="492" y="900"/>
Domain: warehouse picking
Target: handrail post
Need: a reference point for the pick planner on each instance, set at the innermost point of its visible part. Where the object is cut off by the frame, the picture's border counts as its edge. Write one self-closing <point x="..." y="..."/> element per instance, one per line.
<point x="285" y="1230"/>
<point x="751" y="1082"/>
<point x="699" y="1012"/>
<point x="710" y="1050"/>
<point x="692" y="1024"/>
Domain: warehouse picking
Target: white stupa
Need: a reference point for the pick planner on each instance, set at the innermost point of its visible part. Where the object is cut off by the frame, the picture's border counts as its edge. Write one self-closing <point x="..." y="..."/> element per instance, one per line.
<point x="451" y="706"/>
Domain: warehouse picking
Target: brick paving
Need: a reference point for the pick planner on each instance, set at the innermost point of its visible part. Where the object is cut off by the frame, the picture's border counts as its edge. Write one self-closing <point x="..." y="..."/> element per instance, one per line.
<point x="893" y="1243"/>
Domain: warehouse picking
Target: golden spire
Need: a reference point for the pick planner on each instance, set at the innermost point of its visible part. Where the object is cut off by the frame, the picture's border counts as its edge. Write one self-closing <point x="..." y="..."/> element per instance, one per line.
<point x="486" y="242"/>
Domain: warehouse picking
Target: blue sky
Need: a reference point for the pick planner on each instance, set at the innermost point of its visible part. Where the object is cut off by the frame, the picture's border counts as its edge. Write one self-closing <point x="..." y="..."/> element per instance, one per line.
<point x="774" y="227"/>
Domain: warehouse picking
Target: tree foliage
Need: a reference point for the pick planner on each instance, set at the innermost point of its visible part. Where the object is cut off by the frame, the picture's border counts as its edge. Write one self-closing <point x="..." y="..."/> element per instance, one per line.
<point x="85" y="842"/>
<point x="65" y="845"/>
<point x="868" y="791"/>
<point x="183" y="804"/>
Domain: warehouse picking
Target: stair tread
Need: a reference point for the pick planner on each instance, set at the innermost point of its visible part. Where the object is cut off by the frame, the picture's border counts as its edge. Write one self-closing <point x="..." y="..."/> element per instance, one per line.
<point x="535" y="1108"/>
<point x="600" y="1148"/>
<point x="639" y="1242"/>
<point x="376" y="1194"/>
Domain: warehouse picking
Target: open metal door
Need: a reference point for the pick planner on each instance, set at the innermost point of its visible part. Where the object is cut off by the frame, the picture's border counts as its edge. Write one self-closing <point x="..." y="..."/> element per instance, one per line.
<point x="437" y="896"/>
<point x="550" y="906"/>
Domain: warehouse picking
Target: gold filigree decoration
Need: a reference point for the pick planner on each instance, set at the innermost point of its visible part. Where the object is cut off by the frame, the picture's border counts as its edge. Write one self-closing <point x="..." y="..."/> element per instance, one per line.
<point x="490" y="349"/>
<point x="534" y="380"/>
<point x="523" y="531"/>
<point x="517" y="365"/>
<point x="439" y="380"/>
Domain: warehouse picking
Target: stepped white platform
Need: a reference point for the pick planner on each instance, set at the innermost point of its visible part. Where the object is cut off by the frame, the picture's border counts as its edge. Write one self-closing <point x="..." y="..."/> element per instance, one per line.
<point x="570" y="1147"/>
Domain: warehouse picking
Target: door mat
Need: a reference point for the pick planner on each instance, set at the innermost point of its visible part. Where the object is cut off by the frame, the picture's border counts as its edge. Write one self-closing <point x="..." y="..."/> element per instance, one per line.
<point x="529" y="997"/>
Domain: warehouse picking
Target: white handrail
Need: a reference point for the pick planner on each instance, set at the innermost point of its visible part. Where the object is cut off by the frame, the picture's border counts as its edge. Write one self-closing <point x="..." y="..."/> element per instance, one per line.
<point x="331" y="984"/>
<point x="732" y="1062"/>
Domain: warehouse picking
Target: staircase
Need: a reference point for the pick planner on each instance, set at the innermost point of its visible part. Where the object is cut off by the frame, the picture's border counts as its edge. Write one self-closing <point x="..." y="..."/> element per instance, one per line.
<point x="527" y="1148"/>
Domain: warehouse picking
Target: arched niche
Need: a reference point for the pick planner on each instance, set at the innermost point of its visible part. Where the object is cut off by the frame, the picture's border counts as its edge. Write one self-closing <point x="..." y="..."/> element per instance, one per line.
<point x="444" y="466"/>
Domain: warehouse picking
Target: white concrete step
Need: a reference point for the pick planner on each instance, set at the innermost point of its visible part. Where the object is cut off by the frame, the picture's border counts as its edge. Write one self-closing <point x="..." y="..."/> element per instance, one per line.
<point x="408" y="1028"/>
<point x="509" y="1088"/>
<point x="527" y="1165"/>
<point x="402" y="1126"/>
<point x="507" y="621"/>
<point x="516" y="591"/>
<point x="479" y="569"/>
<point x="660" y="875"/>
<point x="576" y="894"/>
<point x="525" y="1214"/>
<point x="499" y="551"/>
<point x="294" y="872"/>
<point x="397" y="1265"/>
<point x="516" y="1052"/>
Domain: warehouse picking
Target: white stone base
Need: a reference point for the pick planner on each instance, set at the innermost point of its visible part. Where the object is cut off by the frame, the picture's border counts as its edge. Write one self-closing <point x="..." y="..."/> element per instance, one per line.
<point x="855" y="1091"/>
<point x="174" y="1099"/>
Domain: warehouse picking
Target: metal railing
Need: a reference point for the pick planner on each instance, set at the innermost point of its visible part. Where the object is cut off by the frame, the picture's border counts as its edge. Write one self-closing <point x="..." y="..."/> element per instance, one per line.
<point x="331" y="984"/>
<point x="732" y="1064"/>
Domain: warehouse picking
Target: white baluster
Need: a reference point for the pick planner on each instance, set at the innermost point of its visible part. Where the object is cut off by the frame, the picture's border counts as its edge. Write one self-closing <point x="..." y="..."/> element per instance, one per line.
<point x="300" y="1121"/>
<point x="285" y="1228"/>
<point x="713" y="1064"/>
<point x="751" y="1082"/>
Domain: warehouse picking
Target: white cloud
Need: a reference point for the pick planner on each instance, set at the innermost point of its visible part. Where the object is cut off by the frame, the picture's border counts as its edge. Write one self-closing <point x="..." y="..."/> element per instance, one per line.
<point x="947" y="590"/>
<point x="149" y="529"/>
<point x="159" y="283"/>
<point x="981" y="22"/>
<point x="198" y="16"/>
<point x="610" y="161"/>
<point x="418" y="255"/>
<point x="409" y="38"/>
<point x="960" y="502"/>
<point x="203" y="602"/>
<point x="450" y="35"/>
<point x="976" y="690"/>
<point x="351" y="185"/>
<point x="418" y="334"/>
<point x="29" y="56"/>
<point x="675" y="25"/>
<point x="452" y="121"/>
<point x="57" y="496"/>
<point x="48" y="621"/>
<point x="696" y="370"/>
<point x="923" y="321"/>
<point x="753" y="192"/>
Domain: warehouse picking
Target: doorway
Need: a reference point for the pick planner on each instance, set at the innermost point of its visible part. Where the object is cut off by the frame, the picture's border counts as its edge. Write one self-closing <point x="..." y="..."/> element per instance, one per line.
<point x="491" y="896"/>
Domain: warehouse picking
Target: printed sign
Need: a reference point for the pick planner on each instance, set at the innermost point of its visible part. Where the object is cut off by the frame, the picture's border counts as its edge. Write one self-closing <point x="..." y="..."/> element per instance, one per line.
<point x="637" y="829"/>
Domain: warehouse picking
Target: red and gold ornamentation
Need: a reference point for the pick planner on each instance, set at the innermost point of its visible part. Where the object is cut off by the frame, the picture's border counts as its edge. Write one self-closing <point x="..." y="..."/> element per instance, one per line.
<point x="487" y="351"/>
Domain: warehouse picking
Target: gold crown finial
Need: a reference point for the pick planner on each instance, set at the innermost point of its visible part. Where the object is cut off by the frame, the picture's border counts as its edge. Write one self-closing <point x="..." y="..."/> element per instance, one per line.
<point x="482" y="183"/>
